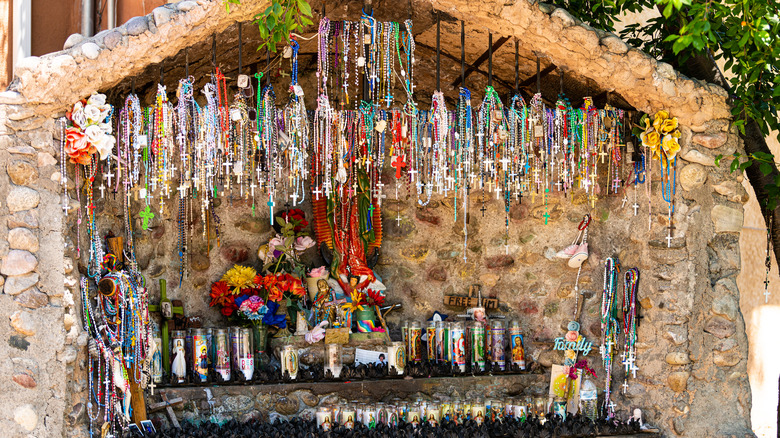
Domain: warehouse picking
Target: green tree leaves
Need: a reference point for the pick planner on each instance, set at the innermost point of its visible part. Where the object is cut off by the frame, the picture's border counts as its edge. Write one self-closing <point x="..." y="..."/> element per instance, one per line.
<point x="279" y="20"/>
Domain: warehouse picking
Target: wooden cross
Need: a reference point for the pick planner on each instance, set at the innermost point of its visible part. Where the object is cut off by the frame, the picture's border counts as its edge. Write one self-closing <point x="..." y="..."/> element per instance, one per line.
<point x="167" y="405"/>
<point x="166" y="310"/>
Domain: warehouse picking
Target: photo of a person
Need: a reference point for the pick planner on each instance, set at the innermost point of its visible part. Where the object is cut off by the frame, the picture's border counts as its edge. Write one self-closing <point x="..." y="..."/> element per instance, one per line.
<point x="381" y="360"/>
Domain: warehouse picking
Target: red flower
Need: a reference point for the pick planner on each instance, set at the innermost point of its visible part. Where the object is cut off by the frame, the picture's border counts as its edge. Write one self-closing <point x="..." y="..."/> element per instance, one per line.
<point x="296" y="214"/>
<point x="220" y="294"/>
<point x="229" y="309"/>
<point x="376" y="297"/>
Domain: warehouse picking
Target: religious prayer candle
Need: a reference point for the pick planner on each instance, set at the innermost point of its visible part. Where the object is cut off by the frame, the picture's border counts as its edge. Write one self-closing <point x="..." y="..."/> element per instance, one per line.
<point x="497" y="332"/>
<point x="559" y="407"/>
<point x="358" y="410"/>
<point x="347" y="418"/>
<point x="431" y="344"/>
<point x="392" y="415"/>
<point x="446" y="409"/>
<point x="414" y="348"/>
<point x="497" y="410"/>
<point x="433" y="414"/>
<point x="478" y="411"/>
<point x="369" y="416"/>
<point x="157" y="366"/>
<point x="477" y="346"/>
<point x="222" y="354"/>
<point x="200" y="356"/>
<point x="396" y="357"/>
<point x="413" y="415"/>
<point x="178" y="356"/>
<point x="324" y="418"/>
<point x="333" y="361"/>
<point x="457" y="411"/>
<point x="458" y="349"/>
<point x="241" y="350"/>
<point x="405" y="333"/>
<point x="290" y="361"/>
<point x="210" y="343"/>
<point x="381" y="413"/>
<point x="516" y="344"/>
<point x="442" y="341"/>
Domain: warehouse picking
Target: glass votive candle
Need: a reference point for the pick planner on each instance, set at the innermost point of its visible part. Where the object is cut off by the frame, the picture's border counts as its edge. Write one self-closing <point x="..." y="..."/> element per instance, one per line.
<point x="333" y="360"/>
<point x="348" y="417"/>
<point x="540" y="406"/>
<point x="497" y="409"/>
<point x="324" y="418"/>
<point x="467" y="410"/>
<point x="414" y="337"/>
<point x="458" y="347"/>
<point x="381" y="413"/>
<point x="396" y="357"/>
<point x="369" y="416"/>
<point x="392" y="415"/>
<point x="478" y="411"/>
<point x="446" y="410"/>
<point x="457" y="412"/>
<point x="413" y="415"/>
<point x="359" y="408"/>
<point x="290" y="361"/>
<point x="403" y="412"/>
<point x="433" y="414"/>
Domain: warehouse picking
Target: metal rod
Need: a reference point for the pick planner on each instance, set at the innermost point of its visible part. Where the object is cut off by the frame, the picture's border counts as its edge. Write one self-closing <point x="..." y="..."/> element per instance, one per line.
<point x="517" y="66"/>
<point x="239" y="47"/>
<point x="111" y="12"/>
<point x="187" y="62"/>
<point x="162" y="73"/>
<point x="562" y="73"/>
<point x="482" y="58"/>
<point x="462" y="54"/>
<point x="438" y="52"/>
<point x="267" y="67"/>
<point x="132" y="86"/>
<point x="87" y="23"/>
<point x="538" y="75"/>
<point x="214" y="53"/>
<point x="490" y="59"/>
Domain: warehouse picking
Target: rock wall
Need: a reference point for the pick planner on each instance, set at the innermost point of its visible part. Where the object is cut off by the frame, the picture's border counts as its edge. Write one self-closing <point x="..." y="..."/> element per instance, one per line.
<point x="692" y="346"/>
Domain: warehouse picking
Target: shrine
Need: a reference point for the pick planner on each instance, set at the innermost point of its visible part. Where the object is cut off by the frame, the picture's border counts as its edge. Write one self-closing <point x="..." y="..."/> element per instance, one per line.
<point x="427" y="217"/>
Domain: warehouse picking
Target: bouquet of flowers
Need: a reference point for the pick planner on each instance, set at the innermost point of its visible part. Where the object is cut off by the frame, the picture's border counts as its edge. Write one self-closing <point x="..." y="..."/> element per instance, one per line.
<point x="90" y="130"/>
<point x="660" y="135"/>
<point x="580" y="365"/>
<point x="366" y="300"/>
<point x="242" y="296"/>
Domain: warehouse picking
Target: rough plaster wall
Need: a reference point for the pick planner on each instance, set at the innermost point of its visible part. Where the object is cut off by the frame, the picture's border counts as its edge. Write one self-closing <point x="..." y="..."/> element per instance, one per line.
<point x="693" y="378"/>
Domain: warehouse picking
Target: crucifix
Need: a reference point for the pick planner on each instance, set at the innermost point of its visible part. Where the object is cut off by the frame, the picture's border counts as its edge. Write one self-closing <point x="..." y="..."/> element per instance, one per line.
<point x="546" y="216"/>
<point x="166" y="310"/>
<point x="483" y="209"/>
<point x="625" y="386"/>
<point x="294" y="197"/>
<point x="398" y="163"/>
<point x="317" y="192"/>
<point x="109" y="176"/>
<point x="182" y="190"/>
<point x="102" y="187"/>
<point x="669" y="236"/>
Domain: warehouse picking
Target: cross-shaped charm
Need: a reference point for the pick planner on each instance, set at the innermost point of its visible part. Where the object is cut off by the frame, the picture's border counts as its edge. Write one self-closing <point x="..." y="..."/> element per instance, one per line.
<point x="317" y="192"/>
<point x="146" y="216"/>
<point x="603" y="154"/>
<point x="558" y="185"/>
<point x="102" y="187"/>
<point x="109" y="176"/>
<point x="270" y="205"/>
<point x="182" y="190"/>
<point x="412" y="173"/>
<point x="398" y="163"/>
<point x="252" y="188"/>
<point x="615" y="184"/>
<point x="504" y="162"/>
<point x="294" y="197"/>
<point x="227" y="165"/>
<point x="634" y="369"/>
<point x="612" y="406"/>
<point x="625" y="386"/>
<point x="483" y="209"/>
<point x="398" y="220"/>
<point x="546" y="216"/>
<point x="636" y="207"/>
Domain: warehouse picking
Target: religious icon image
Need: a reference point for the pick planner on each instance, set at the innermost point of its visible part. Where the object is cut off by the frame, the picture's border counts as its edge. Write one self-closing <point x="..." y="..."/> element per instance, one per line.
<point x="179" y="364"/>
<point x="415" y="420"/>
<point x="518" y="352"/>
<point x="203" y="366"/>
<point x="350" y="423"/>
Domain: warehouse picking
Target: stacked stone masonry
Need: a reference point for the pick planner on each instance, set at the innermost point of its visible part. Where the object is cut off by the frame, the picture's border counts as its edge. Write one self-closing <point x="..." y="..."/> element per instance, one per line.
<point x="692" y="343"/>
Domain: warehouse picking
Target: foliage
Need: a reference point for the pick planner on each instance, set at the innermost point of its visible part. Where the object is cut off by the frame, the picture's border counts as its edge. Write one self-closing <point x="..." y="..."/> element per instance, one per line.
<point x="279" y="20"/>
<point x="743" y="35"/>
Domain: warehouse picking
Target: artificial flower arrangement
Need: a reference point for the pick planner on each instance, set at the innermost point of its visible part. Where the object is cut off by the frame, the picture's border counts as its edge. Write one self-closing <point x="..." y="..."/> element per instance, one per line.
<point x="661" y="134"/>
<point x="90" y="130"/>
<point x="242" y="297"/>
<point x="581" y="365"/>
<point x="282" y="253"/>
<point x="368" y="300"/>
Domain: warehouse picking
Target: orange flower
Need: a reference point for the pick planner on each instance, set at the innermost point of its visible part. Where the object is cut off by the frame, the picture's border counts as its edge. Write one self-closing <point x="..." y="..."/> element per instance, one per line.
<point x="274" y="293"/>
<point x="220" y="294"/>
<point x="77" y="147"/>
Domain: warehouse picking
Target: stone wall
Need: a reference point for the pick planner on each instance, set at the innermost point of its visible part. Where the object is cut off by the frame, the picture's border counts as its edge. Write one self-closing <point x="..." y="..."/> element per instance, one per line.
<point x="692" y="346"/>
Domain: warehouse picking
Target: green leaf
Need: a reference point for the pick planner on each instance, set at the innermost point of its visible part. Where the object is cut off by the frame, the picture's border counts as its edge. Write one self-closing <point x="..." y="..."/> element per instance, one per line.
<point x="717" y="159"/>
<point x="766" y="168"/>
<point x="304" y="7"/>
<point x="734" y="164"/>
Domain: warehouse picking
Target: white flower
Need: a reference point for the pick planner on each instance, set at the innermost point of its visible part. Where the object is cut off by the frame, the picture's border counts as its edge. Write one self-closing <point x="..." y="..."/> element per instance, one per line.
<point x="107" y="128"/>
<point x="303" y="243"/>
<point x="97" y="99"/>
<point x="94" y="134"/>
<point x="105" y="110"/>
<point x="77" y="115"/>
<point x="105" y="145"/>
<point x="92" y="113"/>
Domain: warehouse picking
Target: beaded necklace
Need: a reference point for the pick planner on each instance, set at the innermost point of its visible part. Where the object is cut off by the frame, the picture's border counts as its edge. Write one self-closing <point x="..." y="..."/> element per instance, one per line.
<point x="631" y="281"/>
<point x="609" y="325"/>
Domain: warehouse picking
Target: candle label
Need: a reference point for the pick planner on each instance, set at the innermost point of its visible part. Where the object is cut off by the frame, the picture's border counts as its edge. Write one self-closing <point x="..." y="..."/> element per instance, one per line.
<point x="478" y="348"/>
<point x="459" y="349"/>
<point x="200" y="358"/>
<point x="415" y="344"/>
<point x="497" y="347"/>
<point x="431" y="332"/>
<point x="518" y="351"/>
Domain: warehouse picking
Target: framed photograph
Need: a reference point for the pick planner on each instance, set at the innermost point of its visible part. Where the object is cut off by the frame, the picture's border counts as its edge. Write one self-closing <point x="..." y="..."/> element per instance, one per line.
<point x="135" y="431"/>
<point x="148" y="427"/>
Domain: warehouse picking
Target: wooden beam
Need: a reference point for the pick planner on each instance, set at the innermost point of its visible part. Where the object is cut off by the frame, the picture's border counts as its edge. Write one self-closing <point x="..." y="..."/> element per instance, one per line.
<point x="471" y="67"/>
<point x="482" y="58"/>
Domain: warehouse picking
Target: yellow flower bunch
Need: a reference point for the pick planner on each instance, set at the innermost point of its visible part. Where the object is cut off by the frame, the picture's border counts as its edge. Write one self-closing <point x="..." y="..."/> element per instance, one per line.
<point x="239" y="277"/>
<point x="660" y="135"/>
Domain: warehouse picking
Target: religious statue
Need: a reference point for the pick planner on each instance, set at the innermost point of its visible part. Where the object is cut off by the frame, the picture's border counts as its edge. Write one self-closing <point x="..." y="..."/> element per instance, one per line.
<point x="324" y="304"/>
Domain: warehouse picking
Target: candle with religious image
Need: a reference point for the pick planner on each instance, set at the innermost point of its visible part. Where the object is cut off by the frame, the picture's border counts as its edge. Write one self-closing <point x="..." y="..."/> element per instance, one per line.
<point x="414" y="350"/>
<point x="381" y="413"/>
<point x="333" y="363"/>
<point x="347" y="418"/>
<point x="497" y="334"/>
<point x="477" y="346"/>
<point x="369" y="416"/>
<point x="324" y="418"/>
<point x="431" y="344"/>
<point x="157" y="365"/>
<point x="517" y="350"/>
<point x="478" y="411"/>
<point x="290" y="361"/>
<point x="392" y="415"/>
<point x="458" y="336"/>
<point x="222" y="354"/>
<point x="414" y="414"/>
<point x="457" y="412"/>
<point x="433" y="413"/>
<point x="396" y="357"/>
<point x="200" y="356"/>
<point x="446" y="409"/>
<point x="178" y="356"/>
<point x="405" y="334"/>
